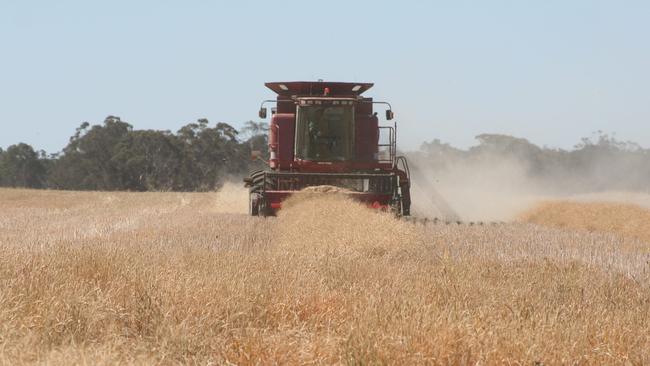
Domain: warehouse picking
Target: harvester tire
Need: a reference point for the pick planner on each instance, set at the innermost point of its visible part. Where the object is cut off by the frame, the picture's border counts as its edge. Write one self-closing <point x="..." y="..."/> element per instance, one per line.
<point x="262" y="208"/>
<point x="253" y="204"/>
<point x="396" y="207"/>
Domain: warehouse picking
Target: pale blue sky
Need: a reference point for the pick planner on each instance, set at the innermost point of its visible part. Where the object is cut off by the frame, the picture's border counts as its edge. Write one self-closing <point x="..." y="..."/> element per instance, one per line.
<point x="549" y="71"/>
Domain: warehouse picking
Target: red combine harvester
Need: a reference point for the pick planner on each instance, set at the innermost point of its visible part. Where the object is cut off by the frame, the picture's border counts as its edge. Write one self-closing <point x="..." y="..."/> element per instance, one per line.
<point x="326" y="134"/>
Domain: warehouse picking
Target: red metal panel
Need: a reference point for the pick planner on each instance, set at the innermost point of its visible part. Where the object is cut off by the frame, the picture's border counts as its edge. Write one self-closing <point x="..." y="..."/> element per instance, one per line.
<point x="366" y="131"/>
<point x="286" y="105"/>
<point x="364" y="107"/>
<point x="366" y="137"/>
<point x="282" y="135"/>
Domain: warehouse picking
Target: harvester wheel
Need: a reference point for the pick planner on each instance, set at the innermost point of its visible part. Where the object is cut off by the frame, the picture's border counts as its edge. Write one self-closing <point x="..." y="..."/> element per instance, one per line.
<point x="396" y="207"/>
<point x="406" y="200"/>
<point x="406" y="209"/>
<point x="253" y="204"/>
<point x="262" y="208"/>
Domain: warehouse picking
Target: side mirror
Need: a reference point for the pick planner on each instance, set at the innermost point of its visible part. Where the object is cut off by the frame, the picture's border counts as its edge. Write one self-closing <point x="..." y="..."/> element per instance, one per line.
<point x="255" y="154"/>
<point x="389" y="115"/>
<point x="262" y="112"/>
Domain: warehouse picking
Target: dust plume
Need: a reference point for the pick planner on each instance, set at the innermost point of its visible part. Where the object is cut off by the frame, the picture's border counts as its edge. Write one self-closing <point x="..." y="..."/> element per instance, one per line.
<point x="231" y="198"/>
<point x="481" y="189"/>
<point x="503" y="176"/>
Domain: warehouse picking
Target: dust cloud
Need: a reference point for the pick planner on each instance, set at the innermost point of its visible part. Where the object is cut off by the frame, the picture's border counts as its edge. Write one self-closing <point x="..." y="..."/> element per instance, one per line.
<point x="486" y="189"/>
<point x="482" y="186"/>
<point x="232" y="198"/>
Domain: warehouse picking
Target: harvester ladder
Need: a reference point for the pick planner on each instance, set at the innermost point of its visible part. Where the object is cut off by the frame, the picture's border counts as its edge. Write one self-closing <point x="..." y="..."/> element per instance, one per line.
<point x="391" y="145"/>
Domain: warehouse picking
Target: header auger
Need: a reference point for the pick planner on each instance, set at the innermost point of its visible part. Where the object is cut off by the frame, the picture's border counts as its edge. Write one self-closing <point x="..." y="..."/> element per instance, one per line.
<point x="326" y="133"/>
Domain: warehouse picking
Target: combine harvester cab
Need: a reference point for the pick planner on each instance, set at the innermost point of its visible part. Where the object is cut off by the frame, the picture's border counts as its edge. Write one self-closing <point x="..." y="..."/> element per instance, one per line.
<point x="326" y="134"/>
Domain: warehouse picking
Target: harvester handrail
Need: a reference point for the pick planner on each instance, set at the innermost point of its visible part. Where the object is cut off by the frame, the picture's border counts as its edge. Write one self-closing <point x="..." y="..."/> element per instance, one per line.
<point x="391" y="145"/>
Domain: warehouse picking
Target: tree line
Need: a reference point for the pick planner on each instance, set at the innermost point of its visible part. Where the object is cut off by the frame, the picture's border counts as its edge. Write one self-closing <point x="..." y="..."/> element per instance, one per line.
<point x="200" y="156"/>
<point x="114" y="156"/>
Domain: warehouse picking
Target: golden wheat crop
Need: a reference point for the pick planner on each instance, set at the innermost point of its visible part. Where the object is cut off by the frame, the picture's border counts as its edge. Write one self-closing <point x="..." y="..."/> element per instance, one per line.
<point x="168" y="278"/>
<point x="625" y="219"/>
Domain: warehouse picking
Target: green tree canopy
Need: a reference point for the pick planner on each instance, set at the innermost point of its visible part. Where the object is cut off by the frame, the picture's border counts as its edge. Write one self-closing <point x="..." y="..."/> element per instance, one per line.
<point x="21" y="166"/>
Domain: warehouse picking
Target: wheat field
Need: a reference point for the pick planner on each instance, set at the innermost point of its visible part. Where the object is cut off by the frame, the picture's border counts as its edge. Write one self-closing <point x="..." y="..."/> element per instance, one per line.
<point x="624" y="219"/>
<point x="186" y="278"/>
